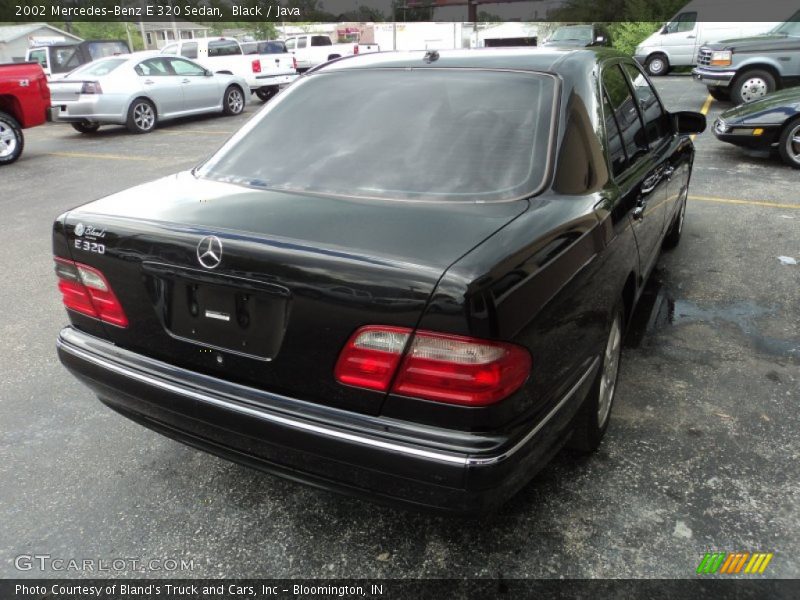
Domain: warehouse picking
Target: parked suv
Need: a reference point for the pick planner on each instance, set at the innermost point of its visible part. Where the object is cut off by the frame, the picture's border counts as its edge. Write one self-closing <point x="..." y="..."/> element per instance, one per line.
<point x="746" y="69"/>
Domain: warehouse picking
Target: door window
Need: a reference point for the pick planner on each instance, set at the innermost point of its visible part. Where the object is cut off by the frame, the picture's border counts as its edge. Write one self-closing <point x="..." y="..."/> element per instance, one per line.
<point x="186" y="68"/>
<point x="171" y="49"/>
<point x="656" y="119"/>
<point x="683" y="22"/>
<point x="223" y="48"/>
<point x="301" y="43"/>
<point x="614" y="146"/>
<point x="626" y="113"/>
<point x="290" y="44"/>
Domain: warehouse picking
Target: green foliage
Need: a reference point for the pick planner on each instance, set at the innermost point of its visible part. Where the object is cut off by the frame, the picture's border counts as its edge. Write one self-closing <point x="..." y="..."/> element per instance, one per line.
<point x="625" y="36"/>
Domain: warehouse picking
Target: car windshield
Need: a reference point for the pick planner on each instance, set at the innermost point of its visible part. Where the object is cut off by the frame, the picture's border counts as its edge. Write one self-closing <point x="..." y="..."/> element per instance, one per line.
<point x="401" y="134"/>
<point x="791" y="27"/>
<point x="582" y="34"/>
<point x="98" y="68"/>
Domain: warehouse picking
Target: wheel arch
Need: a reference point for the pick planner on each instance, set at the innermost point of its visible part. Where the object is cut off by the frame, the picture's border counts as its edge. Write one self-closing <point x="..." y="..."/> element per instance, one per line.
<point x="759" y="66"/>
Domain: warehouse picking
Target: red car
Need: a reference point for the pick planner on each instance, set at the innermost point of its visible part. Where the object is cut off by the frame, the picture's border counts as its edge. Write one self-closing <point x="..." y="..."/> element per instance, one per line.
<point x="24" y="103"/>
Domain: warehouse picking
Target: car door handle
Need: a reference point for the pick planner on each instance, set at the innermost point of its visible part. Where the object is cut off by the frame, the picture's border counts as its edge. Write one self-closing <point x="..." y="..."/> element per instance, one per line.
<point x="149" y="82"/>
<point x="668" y="172"/>
<point x="186" y="81"/>
<point x="690" y="37"/>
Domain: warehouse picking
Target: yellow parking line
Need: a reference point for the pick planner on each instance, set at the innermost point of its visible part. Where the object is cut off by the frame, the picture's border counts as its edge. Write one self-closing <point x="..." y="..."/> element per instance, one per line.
<point x="747" y="202"/>
<point x="98" y="156"/>
<point x="704" y="110"/>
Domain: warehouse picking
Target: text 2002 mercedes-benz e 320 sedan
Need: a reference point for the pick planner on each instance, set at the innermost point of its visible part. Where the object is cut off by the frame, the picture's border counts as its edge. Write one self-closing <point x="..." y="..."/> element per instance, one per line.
<point x="418" y="298"/>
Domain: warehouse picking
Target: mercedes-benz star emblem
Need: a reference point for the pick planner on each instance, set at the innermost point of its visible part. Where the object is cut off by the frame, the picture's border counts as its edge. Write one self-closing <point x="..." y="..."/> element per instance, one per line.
<point x="209" y="251"/>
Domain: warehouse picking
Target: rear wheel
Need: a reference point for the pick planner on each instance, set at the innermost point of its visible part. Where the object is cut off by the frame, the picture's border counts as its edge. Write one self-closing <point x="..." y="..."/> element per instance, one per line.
<point x="592" y="420"/>
<point x="233" y="101"/>
<point x="788" y="145"/>
<point x="752" y="85"/>
<point x="266" y="93"/>
<point x="11" y="139"/>
<point x="721" y="94"/>
<point x="141" y="116"/>
<point x="86" y="127"/>
<point x="657" y="65"/>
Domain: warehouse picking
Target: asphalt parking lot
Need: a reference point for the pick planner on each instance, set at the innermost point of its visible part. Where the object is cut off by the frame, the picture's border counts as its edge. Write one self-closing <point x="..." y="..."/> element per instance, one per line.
<point x="702" y="453"/>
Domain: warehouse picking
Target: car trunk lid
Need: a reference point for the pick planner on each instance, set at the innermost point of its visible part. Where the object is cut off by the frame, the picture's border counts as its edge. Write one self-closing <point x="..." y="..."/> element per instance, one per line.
<point x="288" y="279"/>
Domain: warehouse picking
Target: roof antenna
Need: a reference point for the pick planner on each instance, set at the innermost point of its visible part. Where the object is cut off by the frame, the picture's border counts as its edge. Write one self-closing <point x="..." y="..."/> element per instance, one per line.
<point x="431" y="56"/>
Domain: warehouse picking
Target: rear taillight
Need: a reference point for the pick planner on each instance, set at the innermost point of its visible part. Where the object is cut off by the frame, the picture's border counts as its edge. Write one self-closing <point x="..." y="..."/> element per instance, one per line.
<point x="84" y="289"/>
<point x="433" y="366"/>
<point x="256" y="64"/>
<point x="91" y="87"/>
<point x="294" y="63"/>
<point x="355" y="49"/>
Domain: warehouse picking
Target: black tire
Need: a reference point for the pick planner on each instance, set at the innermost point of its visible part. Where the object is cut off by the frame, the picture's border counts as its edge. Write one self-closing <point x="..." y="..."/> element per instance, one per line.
<point x="265" y="94"/>
<point x="789" y="144"/>
<point x="657" y="65"/>
<point x="86" y="127"/>
<point x="589" y="425"/>
<point x="233" y="101"/>
<point x="752" y="85"/>
<point x="142" y="117"/>
<point x="673" y="236"/>
<point x="12" y="142"/>
<point x="721" y="94"/>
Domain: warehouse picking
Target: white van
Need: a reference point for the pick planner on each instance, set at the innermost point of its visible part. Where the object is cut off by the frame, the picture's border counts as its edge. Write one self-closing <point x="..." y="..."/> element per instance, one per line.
<point x="676" y="44"/>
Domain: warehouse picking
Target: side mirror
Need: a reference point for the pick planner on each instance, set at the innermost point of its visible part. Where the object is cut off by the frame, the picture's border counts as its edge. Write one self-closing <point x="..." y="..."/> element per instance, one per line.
<point x="688" y="122"/>
<point x="208" y="73"/>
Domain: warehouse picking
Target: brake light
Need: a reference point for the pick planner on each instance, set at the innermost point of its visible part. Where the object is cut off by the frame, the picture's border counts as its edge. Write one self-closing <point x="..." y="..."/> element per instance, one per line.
<point x="91" y="87"/>
<point x="84" y="289"/>
<point x="256" y="64"/>
<point x="294" y="63"/>
<point x="433" y="366"/>
<point x="355" y="49"/>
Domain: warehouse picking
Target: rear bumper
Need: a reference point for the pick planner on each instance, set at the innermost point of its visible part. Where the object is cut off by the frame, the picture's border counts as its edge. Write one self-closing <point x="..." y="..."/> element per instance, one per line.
<point x="271" y="80"/>
<point x="76" y="111"/>
<point x="712" y="78"/>
<point x="326" y="447"/>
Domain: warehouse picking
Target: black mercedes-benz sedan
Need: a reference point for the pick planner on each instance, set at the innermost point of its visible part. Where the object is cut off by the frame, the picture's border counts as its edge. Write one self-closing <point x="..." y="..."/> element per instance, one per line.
<point x="420" y="297"/>
<point x="769" y="123"/>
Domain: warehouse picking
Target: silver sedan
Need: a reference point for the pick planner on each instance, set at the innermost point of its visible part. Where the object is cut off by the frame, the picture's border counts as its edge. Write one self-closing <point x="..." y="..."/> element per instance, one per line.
<point x="141" y="90"/>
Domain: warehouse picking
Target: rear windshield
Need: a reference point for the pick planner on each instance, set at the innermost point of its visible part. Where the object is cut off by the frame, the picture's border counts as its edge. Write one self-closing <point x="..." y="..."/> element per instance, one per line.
<point x="103" y="49"/>
<point x="99" y="68"/>
<point x="417" y="134"/>
<point x="271" y="48"/>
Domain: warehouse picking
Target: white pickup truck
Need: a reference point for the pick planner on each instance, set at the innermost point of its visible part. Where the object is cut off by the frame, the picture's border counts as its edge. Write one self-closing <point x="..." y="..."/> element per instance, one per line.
<point x="265" y="74"/>
<point x="314" y="49"/>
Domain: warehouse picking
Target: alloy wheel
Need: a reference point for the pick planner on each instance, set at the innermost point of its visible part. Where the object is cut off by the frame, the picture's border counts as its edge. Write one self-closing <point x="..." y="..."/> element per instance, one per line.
<point x="235" y="101"/>
<point x="608" y="380"/>
<point x="793" y="144"/>
<point x="144" y="117"/>
<point x="8" y="140"/>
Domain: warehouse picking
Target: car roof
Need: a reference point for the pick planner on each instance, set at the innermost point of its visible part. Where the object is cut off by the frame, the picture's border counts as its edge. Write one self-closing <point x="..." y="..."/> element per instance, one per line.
<point x="524" y="59"/>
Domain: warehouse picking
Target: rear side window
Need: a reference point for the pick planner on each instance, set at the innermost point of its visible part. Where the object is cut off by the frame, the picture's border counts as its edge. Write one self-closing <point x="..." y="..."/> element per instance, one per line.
<point x="223" y="48"/>
<point x="154" y="67"/>
<point x="39" y="56"/>
<point x="321" y="40"/>
<point x="301" y="42"/>
<point x="189" y="50"/>
<point x="290" y="44"/>
<point x="625" y="112"/>
<point x="425" y="134"/>
<point x="171" y="49"/>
